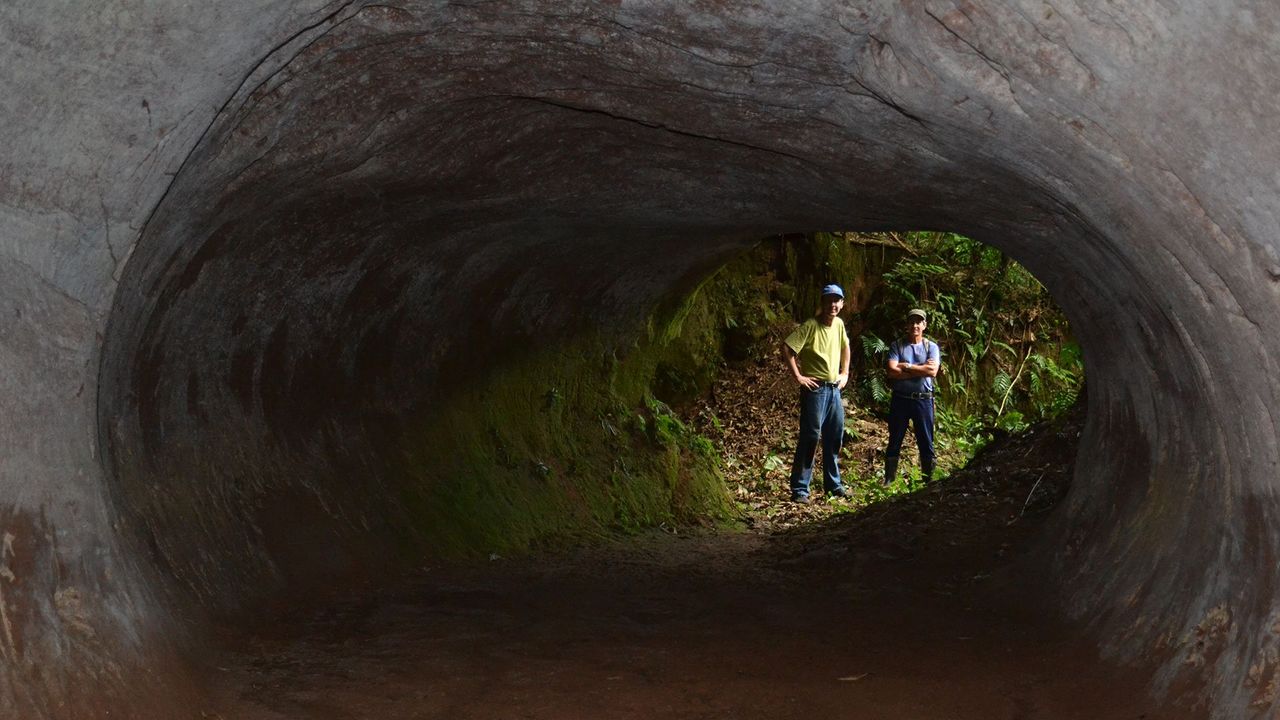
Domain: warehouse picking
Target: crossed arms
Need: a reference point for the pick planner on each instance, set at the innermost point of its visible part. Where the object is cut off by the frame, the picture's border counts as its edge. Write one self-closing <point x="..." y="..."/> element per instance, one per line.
<point x="905" y="371"/>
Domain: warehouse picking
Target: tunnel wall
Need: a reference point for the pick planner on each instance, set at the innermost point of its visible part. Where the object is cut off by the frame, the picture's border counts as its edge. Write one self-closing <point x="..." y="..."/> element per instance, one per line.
<point x="101" y="105"/>
<point x="405" y="164"/>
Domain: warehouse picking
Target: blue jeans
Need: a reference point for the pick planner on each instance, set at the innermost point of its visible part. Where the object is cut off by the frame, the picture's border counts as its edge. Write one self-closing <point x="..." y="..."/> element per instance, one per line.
<point x="920" y="414"/>
<point x="821" y="417"/>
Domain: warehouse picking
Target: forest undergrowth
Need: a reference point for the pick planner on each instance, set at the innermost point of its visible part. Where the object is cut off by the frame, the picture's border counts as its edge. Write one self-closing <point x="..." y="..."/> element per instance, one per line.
<point x="1010" y="366"/>
<point x="750" y="416"/>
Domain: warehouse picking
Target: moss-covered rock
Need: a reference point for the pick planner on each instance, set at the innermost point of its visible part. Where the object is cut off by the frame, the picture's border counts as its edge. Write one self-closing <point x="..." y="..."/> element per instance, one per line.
<point x="570" y="444"/>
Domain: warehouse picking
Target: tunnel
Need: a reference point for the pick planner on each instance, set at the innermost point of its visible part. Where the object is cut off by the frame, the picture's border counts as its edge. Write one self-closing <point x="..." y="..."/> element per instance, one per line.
<point x="251" y="253"/>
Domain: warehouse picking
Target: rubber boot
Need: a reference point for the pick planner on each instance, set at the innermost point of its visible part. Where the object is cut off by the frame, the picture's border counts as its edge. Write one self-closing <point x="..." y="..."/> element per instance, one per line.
<point x="926" y="469"/>
<point x="890" y="470"/>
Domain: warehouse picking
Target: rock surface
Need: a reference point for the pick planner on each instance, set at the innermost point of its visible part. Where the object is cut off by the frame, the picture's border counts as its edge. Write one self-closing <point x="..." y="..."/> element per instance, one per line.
<point x="245" y="250"/>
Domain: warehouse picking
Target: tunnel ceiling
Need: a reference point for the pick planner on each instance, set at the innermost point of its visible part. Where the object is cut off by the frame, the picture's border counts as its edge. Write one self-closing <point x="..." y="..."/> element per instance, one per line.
<point x="361" y="192"/>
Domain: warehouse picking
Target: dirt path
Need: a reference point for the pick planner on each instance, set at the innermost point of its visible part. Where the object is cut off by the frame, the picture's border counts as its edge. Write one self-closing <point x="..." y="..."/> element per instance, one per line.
<point x="901" y="607"/>
<point x="716" y="626"/>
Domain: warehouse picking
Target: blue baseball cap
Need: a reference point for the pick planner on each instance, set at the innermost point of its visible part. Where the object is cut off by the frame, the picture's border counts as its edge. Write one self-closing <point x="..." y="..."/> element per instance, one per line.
<point x="832" y="289"/>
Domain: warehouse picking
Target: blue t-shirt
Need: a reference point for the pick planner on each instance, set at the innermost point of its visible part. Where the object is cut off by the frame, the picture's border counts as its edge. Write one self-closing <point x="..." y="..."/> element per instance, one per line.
<point x="918" y="354"/>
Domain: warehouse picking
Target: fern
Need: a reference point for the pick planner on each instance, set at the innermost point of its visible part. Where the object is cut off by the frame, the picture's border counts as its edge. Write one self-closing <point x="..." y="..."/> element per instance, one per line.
<point x="872" y="345"/>
<point x="1036" y="384"/>
<point x="876" y="388"/>
<point x="1007" y="347"/>
<point x="1002" y="384"/>
<point x="1064" y="398"/>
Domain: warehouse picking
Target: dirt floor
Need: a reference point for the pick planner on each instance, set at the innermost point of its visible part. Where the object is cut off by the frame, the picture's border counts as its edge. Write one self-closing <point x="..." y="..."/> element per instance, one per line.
<point x="914" y="606"/>
<point x="725" y="626"/>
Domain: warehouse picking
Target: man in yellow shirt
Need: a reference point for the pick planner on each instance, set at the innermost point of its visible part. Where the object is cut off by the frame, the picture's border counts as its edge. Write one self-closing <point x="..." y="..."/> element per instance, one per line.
<point x="817" y="353"/>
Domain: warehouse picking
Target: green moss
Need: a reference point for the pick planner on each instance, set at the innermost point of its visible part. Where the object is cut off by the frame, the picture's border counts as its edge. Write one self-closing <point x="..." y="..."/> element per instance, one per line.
<point x="554" y="451"/>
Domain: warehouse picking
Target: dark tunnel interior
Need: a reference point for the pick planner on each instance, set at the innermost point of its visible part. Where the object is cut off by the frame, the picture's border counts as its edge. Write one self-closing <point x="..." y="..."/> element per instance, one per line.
<point x="416" y="200"/>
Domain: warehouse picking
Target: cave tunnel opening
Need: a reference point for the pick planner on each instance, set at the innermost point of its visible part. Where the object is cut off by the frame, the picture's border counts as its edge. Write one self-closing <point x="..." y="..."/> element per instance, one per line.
<point x="266" y="460"/>
<point x="418" y="194"/>
<point x="1010" y="357"/>
<point x="279" y="488"/>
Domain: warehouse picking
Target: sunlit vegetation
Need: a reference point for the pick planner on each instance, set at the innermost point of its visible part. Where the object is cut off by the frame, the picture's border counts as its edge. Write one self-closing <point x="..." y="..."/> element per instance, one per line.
<point x="601" y="436"/>
<point x="1010" y="360"/>
<point x="1009" y="357"/>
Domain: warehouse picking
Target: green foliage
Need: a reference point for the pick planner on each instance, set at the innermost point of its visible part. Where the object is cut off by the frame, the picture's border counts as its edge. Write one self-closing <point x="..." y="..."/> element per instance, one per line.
<point x="556" y="451"/>
<point x="773" y="462"/>
<point x="874" y="351"/>
<point x="1012" y="422"/>
<point x="966" y="434"/>
<point x="1008" y="358"/>
<point x="872" y="346"/>
<point x="1002" y="384"/>
<point x="876" y="388"/>
<point x="1054" y="385"/>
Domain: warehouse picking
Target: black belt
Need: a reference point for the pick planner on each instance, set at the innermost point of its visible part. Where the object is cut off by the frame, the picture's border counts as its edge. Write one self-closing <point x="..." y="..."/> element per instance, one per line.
<point x="915" y="396"/>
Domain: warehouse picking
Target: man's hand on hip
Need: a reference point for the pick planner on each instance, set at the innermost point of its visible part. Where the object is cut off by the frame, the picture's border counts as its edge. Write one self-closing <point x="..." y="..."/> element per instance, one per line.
<point x="807" y="382"/>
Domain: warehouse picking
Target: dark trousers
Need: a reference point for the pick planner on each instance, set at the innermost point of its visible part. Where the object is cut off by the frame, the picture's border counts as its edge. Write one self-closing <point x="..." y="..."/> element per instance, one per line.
<point x="920" y="414"/>
<point x="821" y="418"/>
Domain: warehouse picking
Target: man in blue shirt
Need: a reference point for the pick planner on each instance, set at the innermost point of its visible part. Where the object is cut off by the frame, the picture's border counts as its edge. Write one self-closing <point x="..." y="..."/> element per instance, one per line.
<point x="913" y="364"/>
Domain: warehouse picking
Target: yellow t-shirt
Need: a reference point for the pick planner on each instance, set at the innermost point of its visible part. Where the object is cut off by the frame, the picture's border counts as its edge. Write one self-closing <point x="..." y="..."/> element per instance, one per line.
<point x="818" y="348"/>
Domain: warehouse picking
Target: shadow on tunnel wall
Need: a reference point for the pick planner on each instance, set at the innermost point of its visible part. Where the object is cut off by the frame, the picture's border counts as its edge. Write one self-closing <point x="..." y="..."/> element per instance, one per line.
<point x="416" y="193"/>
